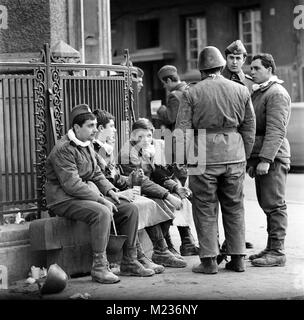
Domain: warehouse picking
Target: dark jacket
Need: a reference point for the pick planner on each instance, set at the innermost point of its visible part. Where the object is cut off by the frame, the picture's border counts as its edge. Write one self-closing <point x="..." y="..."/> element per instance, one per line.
<point x="168" y="114"/>
<point x="224" y="109"/>
<point x="272" y="105"/>
<point x="72" y="173"/>
<point x="116" y="175"/>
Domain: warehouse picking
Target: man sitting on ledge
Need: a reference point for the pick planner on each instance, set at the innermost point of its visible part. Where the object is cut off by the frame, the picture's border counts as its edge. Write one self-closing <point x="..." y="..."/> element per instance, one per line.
<point x="76" y="189"/>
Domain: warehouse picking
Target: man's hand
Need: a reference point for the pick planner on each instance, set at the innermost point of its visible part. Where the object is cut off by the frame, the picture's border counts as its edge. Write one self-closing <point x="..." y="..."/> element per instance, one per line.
<point x="251" y="172"/>
<point x="262" y="168"/>
<point x="111" y="206"/>
<point x="175" y="201"/>
<point x="113" y="195"/>
<point x="183" y="192"/>
<point x="128" y="194"/>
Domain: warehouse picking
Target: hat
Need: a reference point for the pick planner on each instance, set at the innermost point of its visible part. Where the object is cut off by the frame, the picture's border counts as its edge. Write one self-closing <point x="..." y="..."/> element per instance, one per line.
<point x="236" y="47"/>
<point x="166" y="71"/>
<point x="79" y="109"/>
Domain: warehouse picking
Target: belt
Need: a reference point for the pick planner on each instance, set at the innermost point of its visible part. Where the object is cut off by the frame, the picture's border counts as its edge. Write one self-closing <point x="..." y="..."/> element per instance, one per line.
<point x="221" y="130"/>
<point x="216" y="130"/>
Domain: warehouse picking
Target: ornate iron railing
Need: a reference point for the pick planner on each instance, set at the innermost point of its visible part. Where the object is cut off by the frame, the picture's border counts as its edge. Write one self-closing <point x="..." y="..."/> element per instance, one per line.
<point x="35" y="101"/>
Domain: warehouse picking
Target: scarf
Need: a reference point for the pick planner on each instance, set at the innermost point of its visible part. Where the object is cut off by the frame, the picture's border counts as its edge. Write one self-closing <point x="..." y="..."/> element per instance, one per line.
<point x="72" y="137"/>
<point x="256" y="86"/>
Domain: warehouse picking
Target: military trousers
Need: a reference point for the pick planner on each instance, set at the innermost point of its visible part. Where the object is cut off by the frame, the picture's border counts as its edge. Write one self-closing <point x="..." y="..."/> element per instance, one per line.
<point x="219" y="184"/>
<point x="99" y="218"/>
<point x="270" y="191"/>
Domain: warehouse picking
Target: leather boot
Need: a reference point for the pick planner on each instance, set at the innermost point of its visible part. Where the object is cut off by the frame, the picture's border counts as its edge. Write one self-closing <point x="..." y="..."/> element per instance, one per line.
<point x="223" y="254"/>
<point x="166" y="233"/>
<point x="236" y="264"/>
<point x="130" y="266"/>
<point x="161" y="255"/>
<point x="207" y="266"/>
<point x="274" y="257"/>
<point x="100" y="269"/>
<point x="270" y="259"/>
<point x="187" y="247"/>
<point x="262" y="253"/>
<point x="146" y="262"/>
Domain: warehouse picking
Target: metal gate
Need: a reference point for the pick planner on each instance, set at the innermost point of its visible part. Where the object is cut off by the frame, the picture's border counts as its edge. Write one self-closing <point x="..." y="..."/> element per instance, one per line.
<point x="35" y="101"/>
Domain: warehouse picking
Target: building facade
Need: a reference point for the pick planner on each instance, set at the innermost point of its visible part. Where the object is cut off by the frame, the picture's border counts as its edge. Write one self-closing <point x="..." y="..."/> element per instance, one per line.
<point x="173" y="32"/>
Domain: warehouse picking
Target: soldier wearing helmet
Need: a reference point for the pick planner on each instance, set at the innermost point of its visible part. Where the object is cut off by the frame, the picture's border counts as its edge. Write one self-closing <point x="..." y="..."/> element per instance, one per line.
<point x="224" y="109"/>
<point x="235" y="58"/>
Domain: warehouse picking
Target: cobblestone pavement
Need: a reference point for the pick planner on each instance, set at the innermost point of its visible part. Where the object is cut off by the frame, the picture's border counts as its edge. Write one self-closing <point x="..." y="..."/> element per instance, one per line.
<point x="182" y="284"/>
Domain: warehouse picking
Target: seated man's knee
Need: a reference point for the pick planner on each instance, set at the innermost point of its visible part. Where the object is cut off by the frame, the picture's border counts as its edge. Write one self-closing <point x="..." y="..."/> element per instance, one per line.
<point x="101" y="214"/>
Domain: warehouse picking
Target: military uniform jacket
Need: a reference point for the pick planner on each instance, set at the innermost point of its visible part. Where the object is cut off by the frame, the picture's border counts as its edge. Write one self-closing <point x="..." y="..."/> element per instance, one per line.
<point x="168" y="114"/>
<point x="240" y="77"/>
<point x="72" y="172"/>
<point x="272" y="105"/>
<point x="224" y="108"/>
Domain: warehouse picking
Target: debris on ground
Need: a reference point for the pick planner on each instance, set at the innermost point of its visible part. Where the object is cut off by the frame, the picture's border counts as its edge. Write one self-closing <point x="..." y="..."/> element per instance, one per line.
<point x="78" y="296"/>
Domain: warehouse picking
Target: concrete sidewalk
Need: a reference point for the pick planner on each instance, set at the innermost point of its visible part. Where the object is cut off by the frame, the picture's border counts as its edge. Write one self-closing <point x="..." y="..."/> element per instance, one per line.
<point x="182" y="284"/>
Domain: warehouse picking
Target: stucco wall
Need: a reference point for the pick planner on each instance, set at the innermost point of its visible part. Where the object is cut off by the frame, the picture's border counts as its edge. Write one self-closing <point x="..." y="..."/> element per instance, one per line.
<point x="58" y="21"/>
<point x="28" y="26"/>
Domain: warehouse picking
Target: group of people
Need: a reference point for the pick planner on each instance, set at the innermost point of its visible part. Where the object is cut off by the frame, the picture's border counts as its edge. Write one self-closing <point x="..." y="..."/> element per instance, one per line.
<point x="245" y="120"/>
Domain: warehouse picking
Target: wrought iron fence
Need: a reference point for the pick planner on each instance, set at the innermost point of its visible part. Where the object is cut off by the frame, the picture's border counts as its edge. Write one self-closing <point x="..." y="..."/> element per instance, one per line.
<point x="35" y="101"/>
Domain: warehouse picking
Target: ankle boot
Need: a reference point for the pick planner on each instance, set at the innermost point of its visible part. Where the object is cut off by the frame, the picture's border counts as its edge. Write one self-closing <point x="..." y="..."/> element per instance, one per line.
<point x="100" y="269"/>
<point x="207" y="266"/>
<point x="130" y="266"/>
<point x="187" y="247"/>
<point x="161" y="255"/>
<point x="170" y="245"/>
<point x="236" y="264"/>
<point x="146" y="262"/>
<point x="262" y="253"/>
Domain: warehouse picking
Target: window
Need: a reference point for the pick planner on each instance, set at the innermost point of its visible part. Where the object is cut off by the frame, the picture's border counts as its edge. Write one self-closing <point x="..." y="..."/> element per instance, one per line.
<point x="147" y="33"/>
<point x="196" y="39"/>
<point x="250" y="27"/>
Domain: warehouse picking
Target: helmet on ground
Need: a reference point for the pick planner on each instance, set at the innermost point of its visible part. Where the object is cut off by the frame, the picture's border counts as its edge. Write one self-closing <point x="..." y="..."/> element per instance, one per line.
<point x="210" y="57"/>
<point x="56" y="280"/>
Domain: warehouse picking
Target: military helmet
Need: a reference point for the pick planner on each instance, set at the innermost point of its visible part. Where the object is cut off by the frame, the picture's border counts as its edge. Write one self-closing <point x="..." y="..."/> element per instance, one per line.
<point x="56" y="280"/>
<point x="210" y="57"/>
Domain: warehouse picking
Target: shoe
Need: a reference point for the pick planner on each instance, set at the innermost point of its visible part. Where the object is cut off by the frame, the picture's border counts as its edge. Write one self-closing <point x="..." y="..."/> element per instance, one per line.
<point x="187" y="247"/>
<point x="115" y="268"/>
<point x="189" y="250"/>
<point x="207" y="266"/>
<point x="236" y="264"/>
<point x="168" y="259"/>
<point x="270" y="260"/>
<point x="149" y="264"/>
<point x="248" y="245"/>
<point x="130" y="266"/>
<point x="100" y="271"/>
<point x="175" y="252"/>
<point x="258" y="255"/>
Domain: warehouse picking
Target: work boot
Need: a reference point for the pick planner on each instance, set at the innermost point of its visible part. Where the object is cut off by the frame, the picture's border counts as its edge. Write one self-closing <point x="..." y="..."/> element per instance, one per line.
<point x="171" y="247"/>
<point x="162" y="255"/>
<point x="146" y="262"/>
<point x="130" y="266"/>
<point x="167" y="259"/>
<point x="100" y="271"/>
<point x="207" y="266"/>
<point x="262" y="253"/>
<point x="236" y="264"/>
<point x="187" y="247"/>
<point x="270" y="259"/>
